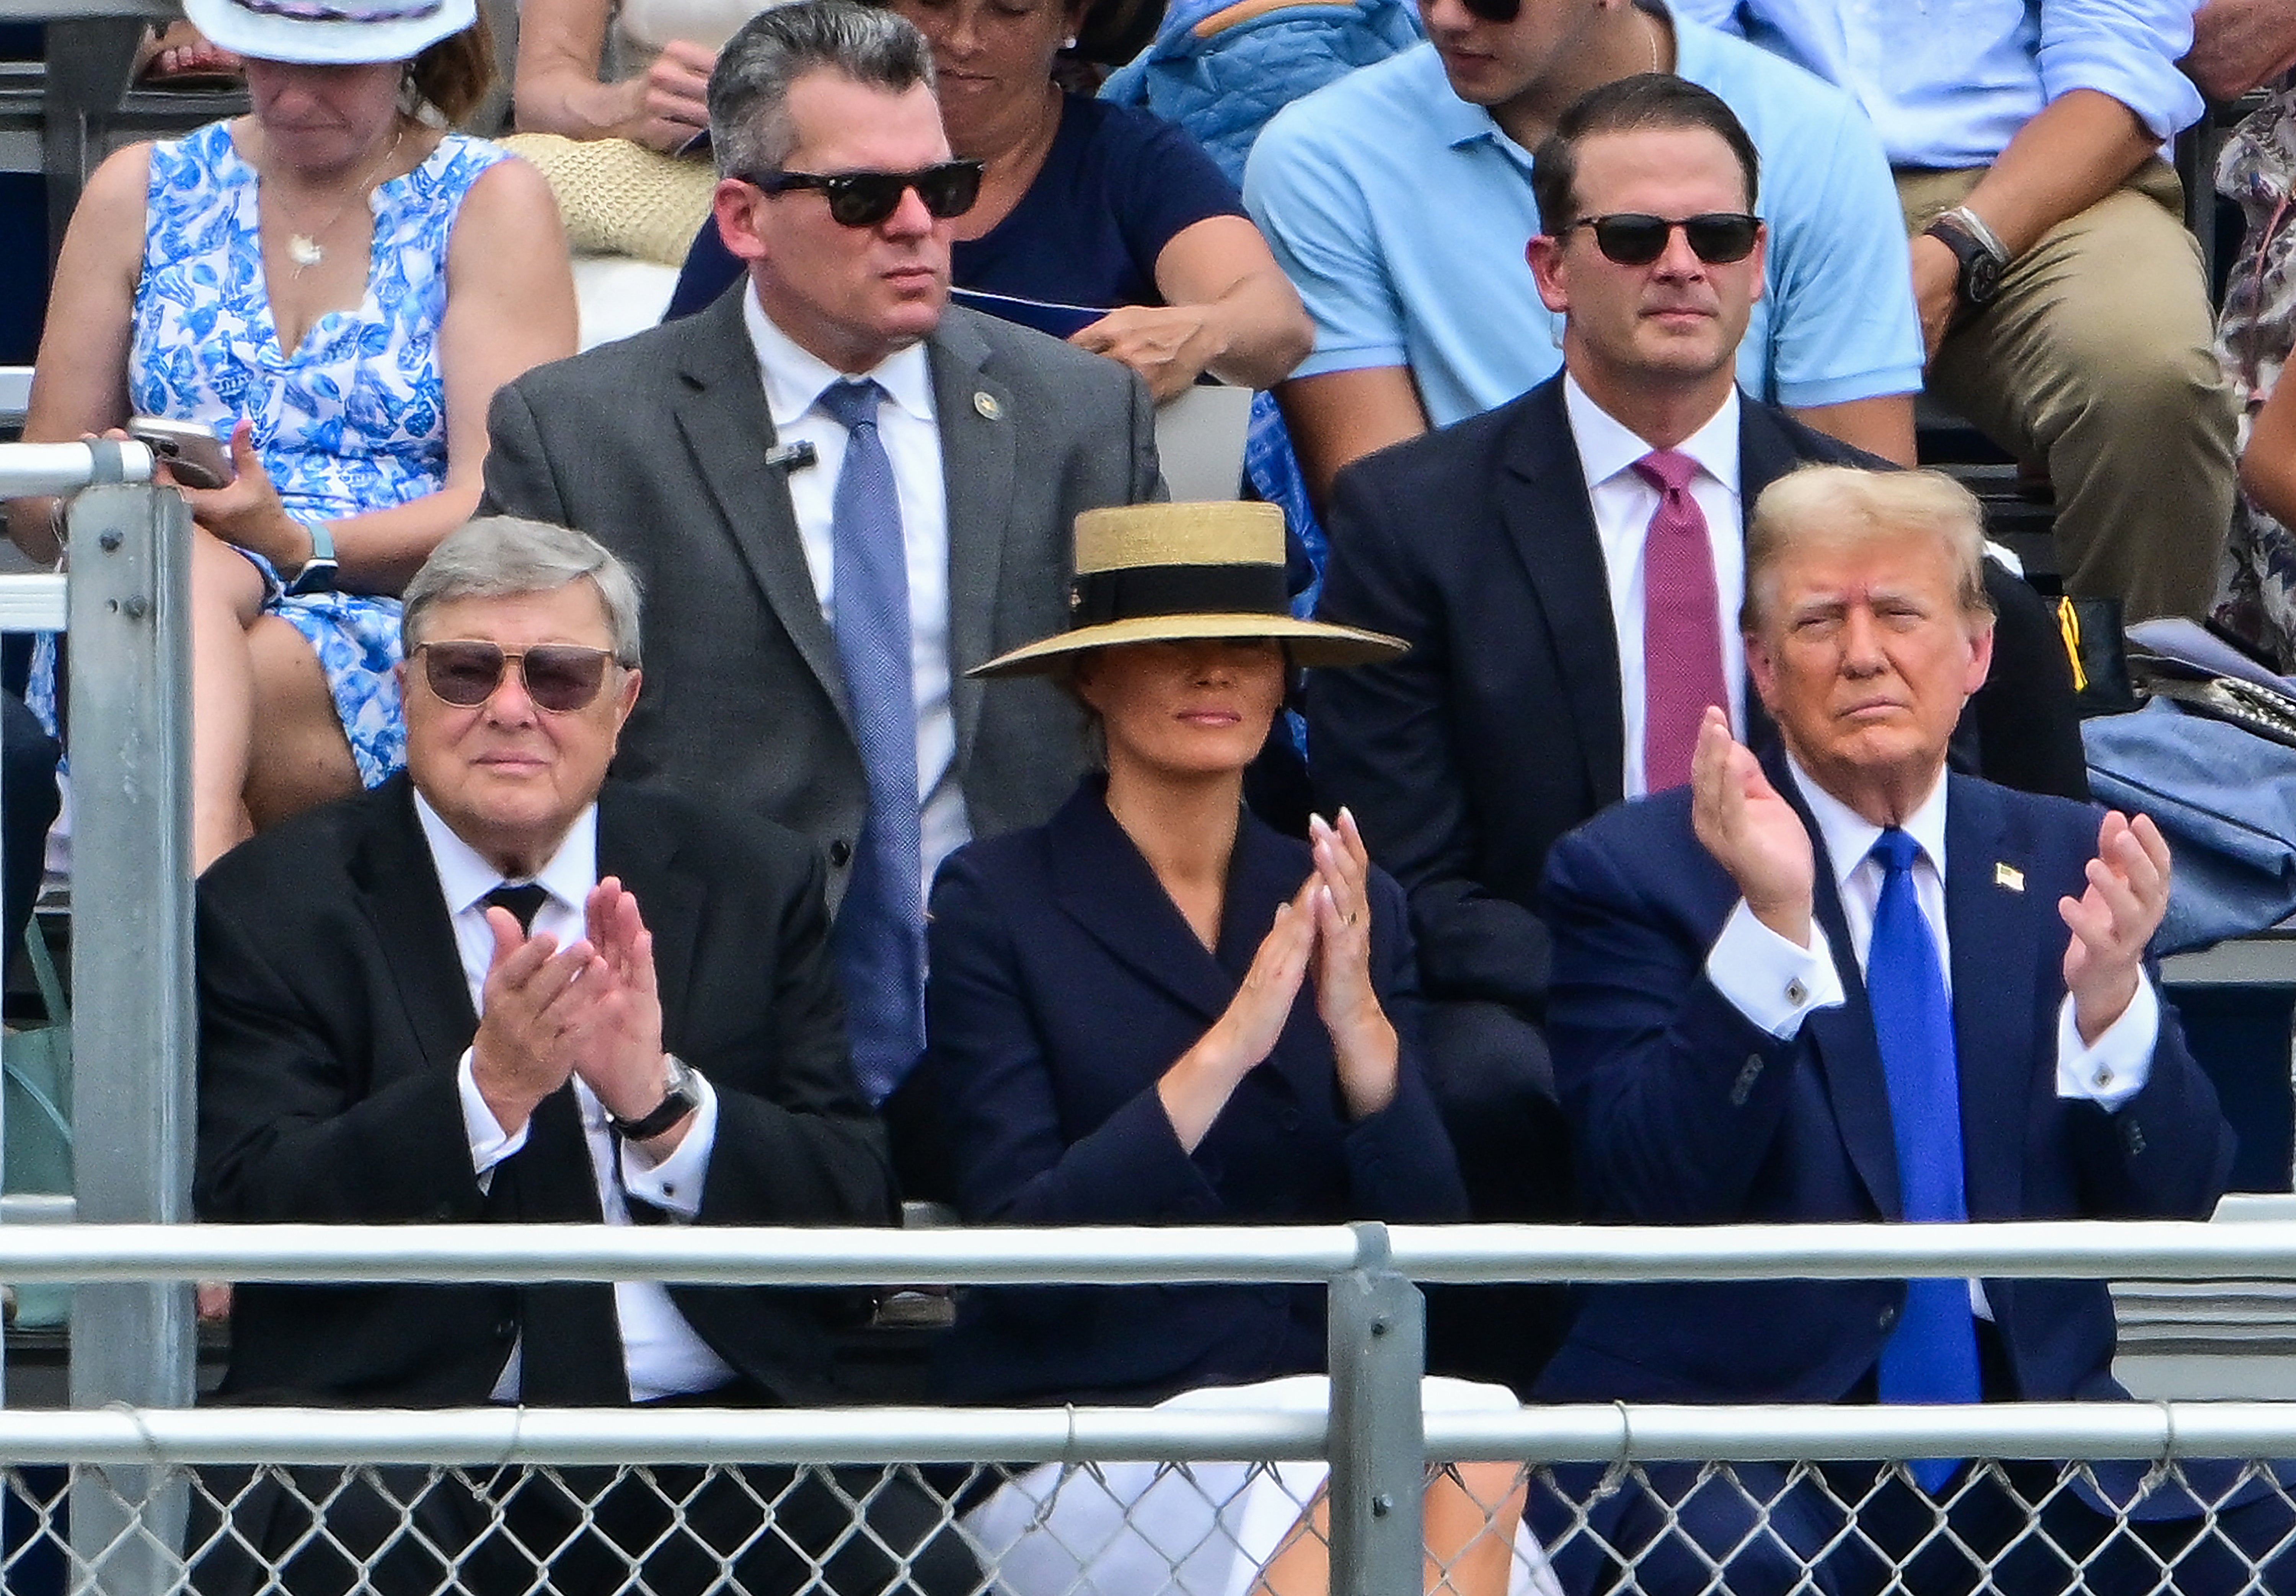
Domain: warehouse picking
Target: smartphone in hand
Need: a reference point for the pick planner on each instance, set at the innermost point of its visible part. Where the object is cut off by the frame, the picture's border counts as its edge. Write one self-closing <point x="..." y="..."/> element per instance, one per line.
<point x="195" y="456"/>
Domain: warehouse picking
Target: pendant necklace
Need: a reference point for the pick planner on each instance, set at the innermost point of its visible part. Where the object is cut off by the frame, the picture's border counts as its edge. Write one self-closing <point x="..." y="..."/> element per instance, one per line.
<point x="304" y="249"/>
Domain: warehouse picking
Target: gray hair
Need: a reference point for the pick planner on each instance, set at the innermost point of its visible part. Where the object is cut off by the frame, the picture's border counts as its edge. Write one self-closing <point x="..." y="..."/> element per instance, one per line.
<point x="750" y="132"/>
<point x="502" y="556"/>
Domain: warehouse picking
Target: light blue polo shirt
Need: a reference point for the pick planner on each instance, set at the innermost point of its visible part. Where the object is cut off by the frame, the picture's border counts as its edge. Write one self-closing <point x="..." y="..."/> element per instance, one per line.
<point x="1400" y="212"/>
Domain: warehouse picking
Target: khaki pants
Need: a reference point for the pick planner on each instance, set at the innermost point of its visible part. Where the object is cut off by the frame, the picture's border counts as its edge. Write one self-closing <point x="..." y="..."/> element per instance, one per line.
<point x="2097" y="362"/>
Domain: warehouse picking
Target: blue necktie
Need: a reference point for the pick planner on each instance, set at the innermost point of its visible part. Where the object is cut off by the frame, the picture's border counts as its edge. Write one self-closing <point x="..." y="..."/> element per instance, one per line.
<point x="1932" y="1355"/>
<point x="880" y="934"/>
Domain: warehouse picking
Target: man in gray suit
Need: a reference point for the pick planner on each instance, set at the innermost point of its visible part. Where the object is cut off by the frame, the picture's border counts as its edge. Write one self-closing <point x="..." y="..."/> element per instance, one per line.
<point x="840" y="494"/>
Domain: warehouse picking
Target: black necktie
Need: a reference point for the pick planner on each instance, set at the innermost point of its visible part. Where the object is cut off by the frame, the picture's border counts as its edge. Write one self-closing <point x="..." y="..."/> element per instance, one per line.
<point x="570" y="1335"/>
<point x="524" y="902"/>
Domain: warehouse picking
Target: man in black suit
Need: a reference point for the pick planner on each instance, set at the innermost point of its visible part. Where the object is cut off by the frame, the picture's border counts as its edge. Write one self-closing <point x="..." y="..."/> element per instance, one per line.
<point x="498" y="987"/>
<point x="1509" y="550"/>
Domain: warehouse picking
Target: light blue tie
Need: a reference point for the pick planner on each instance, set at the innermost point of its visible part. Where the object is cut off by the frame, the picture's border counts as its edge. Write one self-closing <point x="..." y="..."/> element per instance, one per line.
<point x="1932" y="1355"/>
<point x="880" y="934"/>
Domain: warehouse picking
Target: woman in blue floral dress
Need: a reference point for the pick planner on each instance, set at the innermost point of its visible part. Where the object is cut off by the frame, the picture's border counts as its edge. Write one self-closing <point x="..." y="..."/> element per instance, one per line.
<point x="336" y="288"/>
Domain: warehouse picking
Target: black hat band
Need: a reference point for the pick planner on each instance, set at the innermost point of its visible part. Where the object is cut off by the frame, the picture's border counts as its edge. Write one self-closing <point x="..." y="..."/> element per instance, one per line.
<point x="1138" y="591"/>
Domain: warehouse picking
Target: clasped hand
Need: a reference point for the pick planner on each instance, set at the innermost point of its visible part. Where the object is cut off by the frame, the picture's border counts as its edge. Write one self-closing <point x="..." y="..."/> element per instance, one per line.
<point x="1325" y="932"/>
<point x="589" y="1010"/>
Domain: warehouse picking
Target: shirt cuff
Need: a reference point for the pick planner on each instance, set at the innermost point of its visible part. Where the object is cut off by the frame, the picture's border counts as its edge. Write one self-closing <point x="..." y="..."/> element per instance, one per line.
<point x="1768" y="979"/>
<point x="674" y="1185"/>
<point x="2115" y="1068"/>
<point x="490" y="1145"/>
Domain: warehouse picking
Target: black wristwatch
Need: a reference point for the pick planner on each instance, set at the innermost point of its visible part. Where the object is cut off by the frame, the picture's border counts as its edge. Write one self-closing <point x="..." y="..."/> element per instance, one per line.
<point x="681" y="1095"/>
<point x="320" y="571"/>
<point x="1982" y="257"/>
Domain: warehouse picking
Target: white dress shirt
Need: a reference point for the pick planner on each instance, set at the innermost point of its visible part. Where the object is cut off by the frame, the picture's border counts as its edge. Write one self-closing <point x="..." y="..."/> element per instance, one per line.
<point x="909" y="426"/>
<point x="1776" y="984"/>
<point x="1623" y="504"/>
<point x="660" y="1353"/>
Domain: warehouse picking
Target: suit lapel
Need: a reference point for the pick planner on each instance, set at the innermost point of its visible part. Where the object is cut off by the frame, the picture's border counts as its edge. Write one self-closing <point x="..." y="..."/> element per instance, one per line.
<point x="398" y="884"/>
<point x="643" y="853"/>
<point x="1842" y="1039"/>
<point x="1551" y="523"/>
<point x="1765" y="452"/>
<point x="721" y="412"/>
<point x="978" y="426"/>
<point x="1992" y="1007"/>
<point x="1101" y="881"/>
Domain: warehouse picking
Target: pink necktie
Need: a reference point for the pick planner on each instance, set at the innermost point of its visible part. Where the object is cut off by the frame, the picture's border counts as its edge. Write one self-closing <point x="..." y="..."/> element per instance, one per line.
<point x="1682" y="623"/>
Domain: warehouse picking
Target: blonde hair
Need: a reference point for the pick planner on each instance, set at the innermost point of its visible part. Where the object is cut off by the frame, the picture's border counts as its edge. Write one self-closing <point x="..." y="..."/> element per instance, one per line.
<point x="1841" y="506"/>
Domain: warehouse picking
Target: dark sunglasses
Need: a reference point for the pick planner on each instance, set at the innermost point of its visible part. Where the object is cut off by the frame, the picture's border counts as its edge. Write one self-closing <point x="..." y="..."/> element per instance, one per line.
<point x="864" y="199"/>
<point x="1632" y="238"/>
<point x="1494" y="11"/>
<point x="559" y="676"/>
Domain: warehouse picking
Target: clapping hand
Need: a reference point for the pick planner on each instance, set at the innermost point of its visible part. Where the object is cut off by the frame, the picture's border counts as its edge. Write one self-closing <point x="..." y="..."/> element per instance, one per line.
<point x="1751" y="830"/>
<point x="2113" y="920"/>
<point x="614" y="1030"/>
<point x="518" y="1057"/>
<point x="1363" y="1041"/>
<point x="1327" y="930"/>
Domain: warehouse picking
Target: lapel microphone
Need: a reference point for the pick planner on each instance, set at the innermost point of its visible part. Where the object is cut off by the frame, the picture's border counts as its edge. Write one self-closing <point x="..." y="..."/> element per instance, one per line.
<point x="790" y="457"/>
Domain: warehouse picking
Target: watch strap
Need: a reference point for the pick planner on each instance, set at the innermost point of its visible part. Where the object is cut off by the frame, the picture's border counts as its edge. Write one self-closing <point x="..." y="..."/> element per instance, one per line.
<point x="1979" y="253"/>
<point x="679" y="1098"/>
<point x="320" y="571"/>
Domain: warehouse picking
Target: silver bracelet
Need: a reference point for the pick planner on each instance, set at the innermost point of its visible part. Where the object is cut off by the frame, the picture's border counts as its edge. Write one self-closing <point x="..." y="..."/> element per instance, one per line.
<point x="1982" y="234"/>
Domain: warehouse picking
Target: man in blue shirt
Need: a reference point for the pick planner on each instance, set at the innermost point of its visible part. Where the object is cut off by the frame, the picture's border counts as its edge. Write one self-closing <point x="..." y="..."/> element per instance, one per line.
<point x="2061" y="298"/>
<point x="1399" y="202"/>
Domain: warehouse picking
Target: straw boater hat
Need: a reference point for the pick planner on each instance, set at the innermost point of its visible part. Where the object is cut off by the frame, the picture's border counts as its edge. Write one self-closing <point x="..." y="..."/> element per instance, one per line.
<point x="328" y="33"/>
<point x="1161" y="573"/>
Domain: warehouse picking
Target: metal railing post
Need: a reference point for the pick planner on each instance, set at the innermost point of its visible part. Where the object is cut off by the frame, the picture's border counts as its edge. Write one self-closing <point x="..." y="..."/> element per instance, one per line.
<point x="133" y="1031"/>
<point x="1378" y="1350"/>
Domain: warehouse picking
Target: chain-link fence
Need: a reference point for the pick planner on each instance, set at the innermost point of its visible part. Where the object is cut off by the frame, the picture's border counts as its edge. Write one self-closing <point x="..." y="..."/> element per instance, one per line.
<point x="1100" y="1527"/>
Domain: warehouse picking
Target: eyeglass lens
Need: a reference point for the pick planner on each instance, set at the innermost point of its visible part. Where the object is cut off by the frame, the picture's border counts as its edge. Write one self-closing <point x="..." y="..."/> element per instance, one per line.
<point x="1631" y="238"/>
<point x="864" y="199"/>
<point x="558" y="677"/>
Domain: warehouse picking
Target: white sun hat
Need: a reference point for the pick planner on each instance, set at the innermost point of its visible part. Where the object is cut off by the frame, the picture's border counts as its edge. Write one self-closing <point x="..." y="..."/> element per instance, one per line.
<point x="327" y="33"/>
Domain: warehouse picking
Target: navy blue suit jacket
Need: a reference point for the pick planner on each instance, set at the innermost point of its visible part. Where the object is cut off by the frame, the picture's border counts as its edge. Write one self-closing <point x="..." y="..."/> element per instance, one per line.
<point x="1686" y="1112"/>
<point x="1065" y="982"/>
<point x="1465" y="758"/>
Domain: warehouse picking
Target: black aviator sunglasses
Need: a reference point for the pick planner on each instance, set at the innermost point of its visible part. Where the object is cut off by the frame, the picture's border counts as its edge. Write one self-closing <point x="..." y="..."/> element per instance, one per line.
<point x="1636" y="239"/>
<point x="864" y="199"/>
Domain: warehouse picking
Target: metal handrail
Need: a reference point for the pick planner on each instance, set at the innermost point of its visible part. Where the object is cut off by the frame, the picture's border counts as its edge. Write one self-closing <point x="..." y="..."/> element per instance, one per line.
<point x="1605" y="1433"/>
<point x="715" y="1255"/>
<point x="31" y="469"/>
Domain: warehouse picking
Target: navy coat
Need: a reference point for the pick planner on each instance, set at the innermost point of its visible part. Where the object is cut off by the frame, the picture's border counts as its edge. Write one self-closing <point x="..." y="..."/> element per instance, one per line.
<point x="1686" y="1112"/>
<point x="1065" y="982"/>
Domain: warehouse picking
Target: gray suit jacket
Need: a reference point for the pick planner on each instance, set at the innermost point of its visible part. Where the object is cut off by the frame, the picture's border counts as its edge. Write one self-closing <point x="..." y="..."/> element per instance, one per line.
<point x="656" y="446"/>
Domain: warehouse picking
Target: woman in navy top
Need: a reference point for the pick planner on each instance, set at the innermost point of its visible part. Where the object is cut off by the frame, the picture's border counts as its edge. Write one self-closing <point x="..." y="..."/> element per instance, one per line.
<point x="1114" y="227"/>
<point x="1155" y="1010"/>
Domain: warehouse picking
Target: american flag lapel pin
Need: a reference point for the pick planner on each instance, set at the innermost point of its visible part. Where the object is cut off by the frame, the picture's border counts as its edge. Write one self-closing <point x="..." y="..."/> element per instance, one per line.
<point x="2009" y="876"/>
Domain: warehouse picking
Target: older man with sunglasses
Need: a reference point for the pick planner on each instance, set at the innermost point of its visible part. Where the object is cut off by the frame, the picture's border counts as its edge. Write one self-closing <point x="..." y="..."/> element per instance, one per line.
<point x="1571" y="614"/>
<point x="844" y="493"/>
<point x="500" y="988"/>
